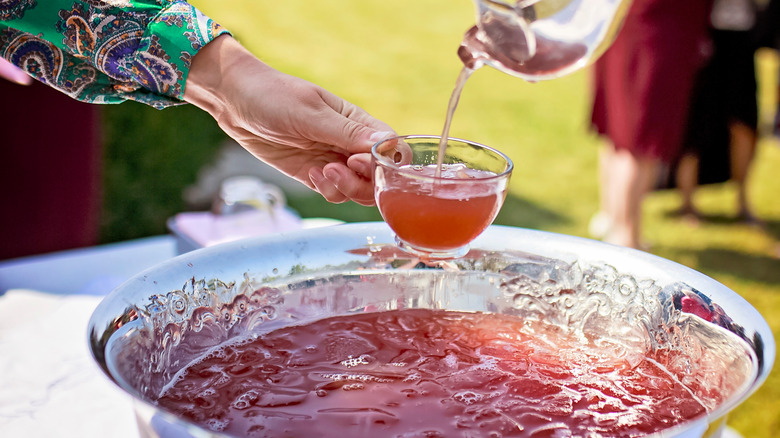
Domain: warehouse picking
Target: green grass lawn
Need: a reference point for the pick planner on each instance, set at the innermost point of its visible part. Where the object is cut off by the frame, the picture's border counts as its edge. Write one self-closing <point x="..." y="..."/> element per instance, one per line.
<point x="397" y="60"/>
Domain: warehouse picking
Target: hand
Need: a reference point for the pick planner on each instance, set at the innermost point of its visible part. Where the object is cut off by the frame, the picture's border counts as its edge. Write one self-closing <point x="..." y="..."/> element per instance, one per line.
<point x="297" y="127"/>
<point x="14" y="73"/>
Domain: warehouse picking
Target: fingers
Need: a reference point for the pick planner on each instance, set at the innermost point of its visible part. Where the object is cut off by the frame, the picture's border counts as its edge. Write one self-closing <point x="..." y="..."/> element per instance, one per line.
<point x="353" y="180"/>
<point x="338" y="183"/>
<point x="351" y="184"/>
<point x="325" y="187"/>
<point x="356" y="180"/>
<point x="353" y="130"/>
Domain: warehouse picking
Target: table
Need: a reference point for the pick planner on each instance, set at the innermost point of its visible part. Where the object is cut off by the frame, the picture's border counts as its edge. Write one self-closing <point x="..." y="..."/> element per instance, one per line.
<point x="49" y="384"/>
<point x="88" y="271"/>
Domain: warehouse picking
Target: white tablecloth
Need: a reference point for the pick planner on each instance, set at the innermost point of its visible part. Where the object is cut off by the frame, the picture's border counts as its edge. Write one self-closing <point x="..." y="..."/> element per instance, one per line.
<point x="49" y="384"/>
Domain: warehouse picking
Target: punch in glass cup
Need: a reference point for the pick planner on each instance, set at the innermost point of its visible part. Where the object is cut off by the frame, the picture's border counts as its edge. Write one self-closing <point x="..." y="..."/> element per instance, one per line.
<point x="437" y="214"/>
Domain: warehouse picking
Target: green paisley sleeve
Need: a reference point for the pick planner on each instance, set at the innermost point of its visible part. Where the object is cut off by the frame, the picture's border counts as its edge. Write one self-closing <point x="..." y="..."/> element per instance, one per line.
<point x="106" y="51"/>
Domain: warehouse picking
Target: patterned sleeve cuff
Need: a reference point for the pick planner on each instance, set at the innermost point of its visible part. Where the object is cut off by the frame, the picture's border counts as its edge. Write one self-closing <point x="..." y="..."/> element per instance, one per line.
<point x="163" y="59"/>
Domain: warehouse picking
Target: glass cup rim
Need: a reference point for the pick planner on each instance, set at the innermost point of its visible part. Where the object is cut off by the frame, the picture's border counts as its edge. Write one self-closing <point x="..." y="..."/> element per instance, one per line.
<point x="379" y="159"/>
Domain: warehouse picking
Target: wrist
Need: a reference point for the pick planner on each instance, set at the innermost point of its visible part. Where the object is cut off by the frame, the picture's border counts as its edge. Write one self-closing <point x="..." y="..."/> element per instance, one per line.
<point x="210" y="84"/>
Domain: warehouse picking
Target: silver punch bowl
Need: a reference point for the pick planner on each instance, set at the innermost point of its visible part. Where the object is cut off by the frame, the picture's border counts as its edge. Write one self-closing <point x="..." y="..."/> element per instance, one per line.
<point x="148" y="329"/>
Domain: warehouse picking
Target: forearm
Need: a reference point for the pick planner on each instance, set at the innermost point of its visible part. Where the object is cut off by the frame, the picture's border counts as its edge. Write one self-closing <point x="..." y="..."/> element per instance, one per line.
<point x="216" y="73"/>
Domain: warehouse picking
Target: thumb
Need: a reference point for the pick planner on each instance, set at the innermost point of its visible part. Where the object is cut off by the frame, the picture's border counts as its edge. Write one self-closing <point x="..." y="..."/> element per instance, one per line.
<point x="351" y="128"/>
<point x="358" y="138"/>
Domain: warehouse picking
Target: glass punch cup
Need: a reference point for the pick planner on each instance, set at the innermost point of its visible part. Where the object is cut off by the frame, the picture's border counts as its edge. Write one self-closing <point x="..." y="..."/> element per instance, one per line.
<point x="435" y="213"/>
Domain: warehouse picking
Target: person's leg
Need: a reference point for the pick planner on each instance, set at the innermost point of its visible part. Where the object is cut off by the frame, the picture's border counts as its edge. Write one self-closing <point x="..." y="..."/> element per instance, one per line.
<point x="605" y="159"/>
<point x="776" y="130"/>
<point x="687" y="180"/>
<point x="742" y="150"/>
<point x="601" y="222"/>
<point x="631" y="178"/>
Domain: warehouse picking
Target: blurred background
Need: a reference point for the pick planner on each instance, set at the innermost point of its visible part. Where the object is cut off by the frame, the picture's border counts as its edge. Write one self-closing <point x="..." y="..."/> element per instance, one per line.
<point x="397" y="60"/>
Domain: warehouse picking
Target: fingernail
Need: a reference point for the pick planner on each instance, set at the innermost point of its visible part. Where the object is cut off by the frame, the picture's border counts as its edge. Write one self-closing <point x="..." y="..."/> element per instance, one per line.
<point x="381" y="135"/>
<point x="332" y="176"/>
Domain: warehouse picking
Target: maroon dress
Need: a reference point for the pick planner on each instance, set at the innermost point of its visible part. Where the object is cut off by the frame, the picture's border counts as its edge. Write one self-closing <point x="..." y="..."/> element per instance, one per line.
<point x="643" y="82"/>
<point x="50" y="152"/>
